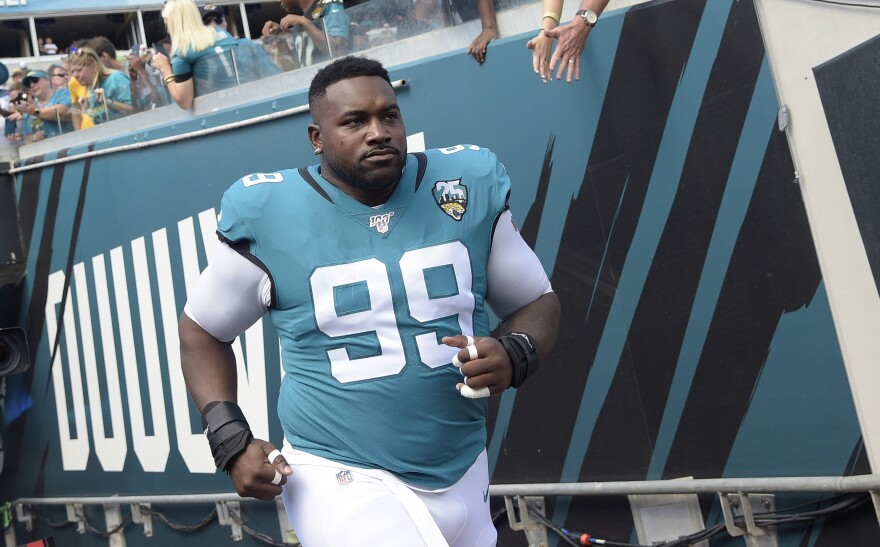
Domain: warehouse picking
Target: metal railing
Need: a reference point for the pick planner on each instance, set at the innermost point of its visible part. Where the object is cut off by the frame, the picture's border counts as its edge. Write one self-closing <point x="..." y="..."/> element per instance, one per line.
<point x="523" y="495"/>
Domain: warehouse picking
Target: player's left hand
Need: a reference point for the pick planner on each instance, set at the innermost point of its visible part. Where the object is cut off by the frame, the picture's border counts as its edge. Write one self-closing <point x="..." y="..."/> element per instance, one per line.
<point x="484" y="364"/>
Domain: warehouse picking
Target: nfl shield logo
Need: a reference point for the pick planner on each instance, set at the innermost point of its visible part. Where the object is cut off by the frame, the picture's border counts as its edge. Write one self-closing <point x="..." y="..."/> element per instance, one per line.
<point x="452" y="197"/>
<point x="344" y="477"/>
<point x="380" y="222"/>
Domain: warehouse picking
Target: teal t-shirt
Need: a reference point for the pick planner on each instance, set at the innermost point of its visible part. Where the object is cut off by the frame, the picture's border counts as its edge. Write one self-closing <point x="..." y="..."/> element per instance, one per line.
<point x="54" y="128"/>
<point x="117" y="87"/>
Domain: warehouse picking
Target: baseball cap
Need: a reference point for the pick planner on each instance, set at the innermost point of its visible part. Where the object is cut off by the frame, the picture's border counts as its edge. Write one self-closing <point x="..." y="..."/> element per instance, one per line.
<point x="32" y="77"/>
<point x="209" y="9"/>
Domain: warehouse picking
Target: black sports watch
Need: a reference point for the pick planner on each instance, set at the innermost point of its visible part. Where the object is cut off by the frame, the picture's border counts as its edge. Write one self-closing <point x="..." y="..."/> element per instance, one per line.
<point x="589" y="16"/>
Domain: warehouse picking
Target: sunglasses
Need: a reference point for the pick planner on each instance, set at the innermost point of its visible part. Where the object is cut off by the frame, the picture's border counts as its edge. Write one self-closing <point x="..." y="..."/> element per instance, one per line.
<point x="214" y="19"/>
<point x="60" y="75"/>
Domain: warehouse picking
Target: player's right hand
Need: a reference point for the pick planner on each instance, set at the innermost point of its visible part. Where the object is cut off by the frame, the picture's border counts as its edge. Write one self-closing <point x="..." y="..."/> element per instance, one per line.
<point x="252" y="474"/>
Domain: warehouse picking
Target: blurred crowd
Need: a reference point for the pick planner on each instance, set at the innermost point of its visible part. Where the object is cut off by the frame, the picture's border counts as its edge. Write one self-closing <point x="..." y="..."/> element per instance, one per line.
<point x="93" y="83"/>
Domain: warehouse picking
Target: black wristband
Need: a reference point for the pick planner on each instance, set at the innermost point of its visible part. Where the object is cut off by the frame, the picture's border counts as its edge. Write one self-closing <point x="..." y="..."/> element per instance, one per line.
<point x="523" y="356"/>
<point x="227" y="430"/>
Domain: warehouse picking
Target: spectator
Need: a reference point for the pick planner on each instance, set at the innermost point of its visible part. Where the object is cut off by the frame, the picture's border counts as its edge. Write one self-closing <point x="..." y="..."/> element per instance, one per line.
<point x="199" y="64"/>
<point x="278" y="48"/>
<point x="18" y="123"/>
<point x="50" y="110"/>
<point x="147" y="91"/>
<point x="359" y="39"/>
<point x="427" y="15"/>
<point x="109" y="90"/>
<point x="58" y="76"/>
<point x="77" y="90"/>
<point x="16" y="76"/>
<point x="314" y="18"/>
<point x="205" y="58"/>
<point x="50" y="47"/>
<point x="489" y="31"/>
<point x="214" y="16"/>
<point x="570" y="37"/>
<point x="11" y="133"/>
<point x="41" y="46"/>
<point x="108" y="54"/>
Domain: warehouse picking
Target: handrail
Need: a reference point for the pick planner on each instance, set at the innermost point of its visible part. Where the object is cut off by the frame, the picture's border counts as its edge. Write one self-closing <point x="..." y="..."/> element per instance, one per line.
<point x="855" y="483"/>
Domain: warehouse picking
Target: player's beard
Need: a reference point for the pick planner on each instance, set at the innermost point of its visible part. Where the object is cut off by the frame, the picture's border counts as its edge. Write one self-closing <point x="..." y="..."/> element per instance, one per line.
<point x="365" y="178"/>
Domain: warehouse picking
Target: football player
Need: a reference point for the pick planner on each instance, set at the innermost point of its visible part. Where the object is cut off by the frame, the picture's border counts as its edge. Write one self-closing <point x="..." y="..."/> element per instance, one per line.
<point x="376" y="268"/>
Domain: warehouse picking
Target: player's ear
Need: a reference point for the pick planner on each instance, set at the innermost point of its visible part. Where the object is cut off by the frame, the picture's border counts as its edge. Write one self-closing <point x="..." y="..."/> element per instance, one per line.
<point x="315" y="136"/>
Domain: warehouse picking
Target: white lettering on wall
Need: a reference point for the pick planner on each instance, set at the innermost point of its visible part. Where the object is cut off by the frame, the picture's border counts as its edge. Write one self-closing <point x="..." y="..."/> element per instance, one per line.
<point x="111" y="451"/>
<point x="118" y="344"/>
<point x="74" y="451"/>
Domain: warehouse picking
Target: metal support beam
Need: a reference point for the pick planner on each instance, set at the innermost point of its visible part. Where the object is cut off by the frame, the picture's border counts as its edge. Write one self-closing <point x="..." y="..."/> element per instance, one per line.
<point x="140" y="514"/>
<point x="229" y="514"/>
<point x="664" y="517"/>
<point x="75" y="514"/>
<point x="739" y="517"/>
<point x="536" y="533"/>
<point x="113" y="518"/>
<point x="23" y="515"/>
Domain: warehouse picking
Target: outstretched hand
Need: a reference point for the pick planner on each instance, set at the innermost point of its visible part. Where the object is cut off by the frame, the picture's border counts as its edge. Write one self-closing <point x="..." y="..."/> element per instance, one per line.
<point x="484" y="364"/>
<point x="570" y="40"/>
<point x="252" y="474"/>
<point x="541" y="46"/>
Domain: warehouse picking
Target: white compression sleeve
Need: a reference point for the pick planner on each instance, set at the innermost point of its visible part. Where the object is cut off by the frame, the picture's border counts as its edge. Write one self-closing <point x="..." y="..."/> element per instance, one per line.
<point x="515" y="275"/>
<point x="229" y="296"/>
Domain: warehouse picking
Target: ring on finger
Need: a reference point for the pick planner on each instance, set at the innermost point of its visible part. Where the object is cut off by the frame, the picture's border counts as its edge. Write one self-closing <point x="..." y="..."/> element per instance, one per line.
<point x="277" y="478"/>
<point x="273" y="456"/>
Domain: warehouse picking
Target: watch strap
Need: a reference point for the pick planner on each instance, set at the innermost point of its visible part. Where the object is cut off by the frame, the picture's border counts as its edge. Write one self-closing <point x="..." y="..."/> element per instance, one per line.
<point x="585" y="15"/>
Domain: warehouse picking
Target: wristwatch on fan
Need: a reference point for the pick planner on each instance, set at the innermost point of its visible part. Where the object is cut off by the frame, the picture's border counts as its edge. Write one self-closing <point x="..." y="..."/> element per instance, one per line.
<point x="589" y="16"/>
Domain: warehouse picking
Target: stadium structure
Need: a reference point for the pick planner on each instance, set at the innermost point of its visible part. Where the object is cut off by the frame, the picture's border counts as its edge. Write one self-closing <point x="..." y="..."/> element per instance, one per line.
<point x="704" y="199"/>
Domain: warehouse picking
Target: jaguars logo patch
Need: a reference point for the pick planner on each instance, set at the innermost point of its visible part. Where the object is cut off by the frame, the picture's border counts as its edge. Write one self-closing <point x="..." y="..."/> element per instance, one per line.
<point x="452" y="197"/>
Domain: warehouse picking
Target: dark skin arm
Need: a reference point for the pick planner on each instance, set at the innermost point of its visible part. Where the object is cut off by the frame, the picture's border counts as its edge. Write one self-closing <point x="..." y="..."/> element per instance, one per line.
<point x="209" y="372"/>
<point x="477" y="49"/>
<point x="492" y="368"/>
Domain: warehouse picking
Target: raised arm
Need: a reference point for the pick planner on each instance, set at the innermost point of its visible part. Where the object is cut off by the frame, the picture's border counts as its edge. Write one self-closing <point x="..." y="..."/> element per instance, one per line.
<point x="571" y="38"/>
<point x="542" y="45"/>
<point x="183" y="93"/>
<point x="488" y="31"/>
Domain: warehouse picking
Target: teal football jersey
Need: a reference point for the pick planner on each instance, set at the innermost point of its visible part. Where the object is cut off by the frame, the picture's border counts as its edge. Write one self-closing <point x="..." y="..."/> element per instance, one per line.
<point x="361" y="298"/>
